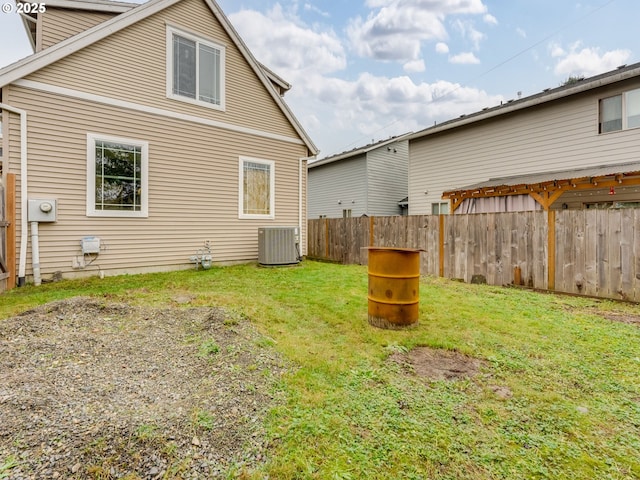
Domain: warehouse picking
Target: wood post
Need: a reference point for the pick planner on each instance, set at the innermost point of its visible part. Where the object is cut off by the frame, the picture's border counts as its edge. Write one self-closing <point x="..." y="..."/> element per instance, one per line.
<point x="10" y="212"/>
<point x="371" y="231"/>
<point x="441" y="245"/>
<point x="551" y="249"/>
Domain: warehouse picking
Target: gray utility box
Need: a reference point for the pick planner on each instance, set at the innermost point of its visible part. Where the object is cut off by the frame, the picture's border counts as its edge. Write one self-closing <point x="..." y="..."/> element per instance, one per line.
<point x="278" y="245"/>
<point x="42" y="210"/>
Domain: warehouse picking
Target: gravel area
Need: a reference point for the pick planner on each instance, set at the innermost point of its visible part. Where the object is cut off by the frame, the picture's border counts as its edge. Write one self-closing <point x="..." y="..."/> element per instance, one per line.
<point x="100" y="390"/>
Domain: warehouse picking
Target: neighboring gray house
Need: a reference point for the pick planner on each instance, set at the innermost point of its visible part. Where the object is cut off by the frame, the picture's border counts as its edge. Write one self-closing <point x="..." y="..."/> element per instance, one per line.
<point x="371" y="180"/>
<point x="575" y="146"/>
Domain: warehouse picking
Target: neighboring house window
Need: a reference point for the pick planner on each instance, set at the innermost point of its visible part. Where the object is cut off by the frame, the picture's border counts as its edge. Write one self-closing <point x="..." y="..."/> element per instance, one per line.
<point x="195" y="71"/>
<point x="440" y="208"/>
<point x="117" y="177"/>
<point x="620" y="112"/>
<point x="346" y="213"/>
<point x="257" y="188"/>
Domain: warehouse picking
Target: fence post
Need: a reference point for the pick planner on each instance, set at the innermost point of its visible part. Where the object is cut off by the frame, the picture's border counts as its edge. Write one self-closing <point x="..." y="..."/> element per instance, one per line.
<point x="371" y="233"/>
<point x="551" y="249"/>
<point x="10" y="212"/>
<point x="441" y="245"/>
<point x="326" y="237"/>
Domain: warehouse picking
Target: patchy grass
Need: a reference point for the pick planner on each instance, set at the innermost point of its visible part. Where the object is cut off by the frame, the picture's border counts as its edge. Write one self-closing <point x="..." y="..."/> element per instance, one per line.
<point x="572" y="403"/>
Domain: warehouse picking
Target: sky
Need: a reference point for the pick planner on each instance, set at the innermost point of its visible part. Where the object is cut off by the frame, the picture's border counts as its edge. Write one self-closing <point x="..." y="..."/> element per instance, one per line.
<point x="366" y="70"/>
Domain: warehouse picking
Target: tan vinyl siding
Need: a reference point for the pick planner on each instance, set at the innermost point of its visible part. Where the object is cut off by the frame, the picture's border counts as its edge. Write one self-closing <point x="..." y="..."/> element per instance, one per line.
<point x="556" y="136"/>
<point x="139" y="54"/>
<point x="193" y="185"/>
<point x="58" y="24"/>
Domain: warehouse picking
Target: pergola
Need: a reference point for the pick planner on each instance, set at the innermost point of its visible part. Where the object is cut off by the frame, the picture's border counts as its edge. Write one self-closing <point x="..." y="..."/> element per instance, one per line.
<point x="546" y="188"/>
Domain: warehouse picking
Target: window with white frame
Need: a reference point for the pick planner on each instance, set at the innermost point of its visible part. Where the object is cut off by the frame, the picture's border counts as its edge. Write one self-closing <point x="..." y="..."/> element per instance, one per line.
<point x="620" y="112"/>
<point x="195" y="69"/>
<point x="257" y="188"/>
<point x="441" y="208"/>
<point x="117" y="177"/>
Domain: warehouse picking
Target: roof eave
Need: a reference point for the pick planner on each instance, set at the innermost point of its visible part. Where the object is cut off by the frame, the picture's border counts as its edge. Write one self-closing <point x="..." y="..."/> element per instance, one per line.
<point x="359" y="151"/>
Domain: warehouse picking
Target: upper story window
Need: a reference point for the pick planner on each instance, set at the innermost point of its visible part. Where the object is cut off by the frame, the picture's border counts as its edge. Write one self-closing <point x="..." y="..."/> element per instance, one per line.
<point x="195" y="69"/>
<point x="620" y="112"/>
<point x="117" y="177"/>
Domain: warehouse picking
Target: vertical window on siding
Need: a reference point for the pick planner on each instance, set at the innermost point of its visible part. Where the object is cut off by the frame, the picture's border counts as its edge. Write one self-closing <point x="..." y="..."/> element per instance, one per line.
<point x="195" y="69"/>
<point x="633" y="108"/>
<point x="257" y="184"/>
<point x="611" y="114"/>
<point x="184" y="67"/>
<point x="117" y="171"/>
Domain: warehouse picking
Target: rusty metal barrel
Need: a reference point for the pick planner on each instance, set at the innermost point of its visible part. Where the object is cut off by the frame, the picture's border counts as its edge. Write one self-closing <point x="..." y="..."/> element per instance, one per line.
<point x="394" y="281"/>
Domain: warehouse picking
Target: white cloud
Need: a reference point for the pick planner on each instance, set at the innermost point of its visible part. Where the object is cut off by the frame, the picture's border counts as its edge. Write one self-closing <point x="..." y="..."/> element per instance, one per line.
<point x="293" y="48"/>
<point x="555" y="50"/>
<point x="588" y="61"/>
<point x="468" y="31"/>
<point x="336" y="110"/>
<point x="380" y="106"/>
<point x="312" y="8"/>
<point x="521" y="32"/>
<point x="415" y="66"/>
<point x="490" y="19"/>
<point x="396" y="29"/>
<point x="467" y="58"/>
<point x="442" y="48"/>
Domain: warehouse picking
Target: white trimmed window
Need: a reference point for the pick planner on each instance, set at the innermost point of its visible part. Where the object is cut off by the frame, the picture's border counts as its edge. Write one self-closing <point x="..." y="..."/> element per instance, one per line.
<point x="620" y="112"/>
<point x="257" y="188"/>
<point x="195" y="69"/>
<point x="117" y="177"/>
<point x="441" y="208"/>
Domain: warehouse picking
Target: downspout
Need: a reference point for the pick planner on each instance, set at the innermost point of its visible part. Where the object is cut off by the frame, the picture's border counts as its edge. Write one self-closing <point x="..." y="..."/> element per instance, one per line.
<point x="24" y="230"/>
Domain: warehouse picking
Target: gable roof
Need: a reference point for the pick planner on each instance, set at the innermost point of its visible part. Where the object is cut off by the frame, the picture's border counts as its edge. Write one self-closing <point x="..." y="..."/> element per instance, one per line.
<point x="623" y="72"/>
<point x="358" y="151"/>
<point x="35" y="62"/>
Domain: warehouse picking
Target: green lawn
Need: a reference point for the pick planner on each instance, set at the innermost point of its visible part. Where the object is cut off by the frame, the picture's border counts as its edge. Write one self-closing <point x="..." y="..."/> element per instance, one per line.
<point x="573" y="376"/>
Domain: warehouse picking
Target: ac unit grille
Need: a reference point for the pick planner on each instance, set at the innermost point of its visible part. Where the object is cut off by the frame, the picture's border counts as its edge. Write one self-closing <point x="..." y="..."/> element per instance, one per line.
<point x="278" y="245"/>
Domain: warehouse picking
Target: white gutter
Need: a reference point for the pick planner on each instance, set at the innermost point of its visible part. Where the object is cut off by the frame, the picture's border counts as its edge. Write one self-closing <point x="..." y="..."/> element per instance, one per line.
<point x="24" y="230"/>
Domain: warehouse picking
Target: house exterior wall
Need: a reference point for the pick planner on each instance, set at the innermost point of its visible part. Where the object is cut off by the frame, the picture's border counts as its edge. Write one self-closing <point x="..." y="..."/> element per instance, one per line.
<point x="387" y="170"/>
<point x="57" y="24"/>
<point x="344" y="181"/>
<point x="558" y="135"/>
<point x="193" y="163"/>
<point x="141" y="73"/>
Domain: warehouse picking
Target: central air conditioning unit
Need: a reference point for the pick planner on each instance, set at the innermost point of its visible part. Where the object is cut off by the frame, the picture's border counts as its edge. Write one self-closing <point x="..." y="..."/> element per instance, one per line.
<point x="278" y="245"/>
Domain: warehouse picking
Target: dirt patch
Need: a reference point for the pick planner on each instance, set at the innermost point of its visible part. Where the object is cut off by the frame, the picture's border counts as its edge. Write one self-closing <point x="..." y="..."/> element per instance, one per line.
<point x="90" y="389"/>
<point x="437" y="364"/>
<point x="622" y="317"/>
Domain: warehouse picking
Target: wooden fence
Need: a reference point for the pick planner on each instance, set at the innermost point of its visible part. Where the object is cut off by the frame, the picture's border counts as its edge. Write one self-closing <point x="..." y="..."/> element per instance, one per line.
<point x="589" y="252"/>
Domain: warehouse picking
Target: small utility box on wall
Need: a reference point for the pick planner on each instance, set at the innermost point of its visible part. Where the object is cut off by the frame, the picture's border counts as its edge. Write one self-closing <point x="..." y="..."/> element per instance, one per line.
<point x="42" y="210"/>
